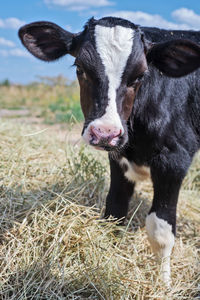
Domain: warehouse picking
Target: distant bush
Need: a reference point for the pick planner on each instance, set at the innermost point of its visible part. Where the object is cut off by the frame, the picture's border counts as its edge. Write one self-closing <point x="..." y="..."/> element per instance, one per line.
<point x="54" y="80"/>
<point x="5" y="82"/>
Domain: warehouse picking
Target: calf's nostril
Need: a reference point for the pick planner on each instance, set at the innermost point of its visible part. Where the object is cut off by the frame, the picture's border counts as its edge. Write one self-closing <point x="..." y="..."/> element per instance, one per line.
<point x="120" y="133"/>
<point x="96" y="132"/>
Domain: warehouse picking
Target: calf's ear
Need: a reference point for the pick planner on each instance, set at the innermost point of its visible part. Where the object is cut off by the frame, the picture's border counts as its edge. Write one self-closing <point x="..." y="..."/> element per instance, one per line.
<point x="175" y="58"/>
<point x="47" y="41"/>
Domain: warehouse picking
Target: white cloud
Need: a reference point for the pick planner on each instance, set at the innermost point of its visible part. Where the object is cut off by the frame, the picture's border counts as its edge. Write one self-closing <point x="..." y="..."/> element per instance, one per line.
<point x="14" y="52"/>
<point x="4" y="42"/>
<point x="68" y="27"/>
<point x="3" y="52"/>
<point x="19" y="52"/>
<point x="78" y="4"/>
<point x="145" y="19"/>
<point x="1" y="23"/>
<point x="187" y="16"/>
<point x="11" y="23"/>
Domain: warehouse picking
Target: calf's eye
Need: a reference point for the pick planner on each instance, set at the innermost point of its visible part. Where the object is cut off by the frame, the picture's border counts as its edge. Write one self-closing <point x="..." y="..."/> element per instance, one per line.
<point x="136" y="81"/>
<point x="139" y="78"/>
<point x="80" y="72"/>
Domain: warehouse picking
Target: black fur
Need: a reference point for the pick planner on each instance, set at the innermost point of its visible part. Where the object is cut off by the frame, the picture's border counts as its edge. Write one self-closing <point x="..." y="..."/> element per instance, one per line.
<point x="164" y="130"/>
<point x="119" y="193"/>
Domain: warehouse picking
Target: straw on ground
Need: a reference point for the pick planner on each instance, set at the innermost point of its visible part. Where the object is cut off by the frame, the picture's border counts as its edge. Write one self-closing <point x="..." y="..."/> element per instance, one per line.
<point x="54" y="245"/>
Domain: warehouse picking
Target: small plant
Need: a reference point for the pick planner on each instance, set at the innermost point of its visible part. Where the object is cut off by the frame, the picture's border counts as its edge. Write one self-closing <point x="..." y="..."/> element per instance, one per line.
<point x="85" y="166"/>
<point x="88" y="170"/>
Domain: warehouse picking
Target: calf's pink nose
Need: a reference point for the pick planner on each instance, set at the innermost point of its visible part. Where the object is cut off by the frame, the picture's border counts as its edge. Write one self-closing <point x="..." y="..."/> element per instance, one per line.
<point x="108" y="135"/>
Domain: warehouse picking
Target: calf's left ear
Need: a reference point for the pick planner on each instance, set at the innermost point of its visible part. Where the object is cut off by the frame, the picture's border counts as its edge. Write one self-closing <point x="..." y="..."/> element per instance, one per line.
<point x="175" y="58"/>
<point x="47" y="41"/>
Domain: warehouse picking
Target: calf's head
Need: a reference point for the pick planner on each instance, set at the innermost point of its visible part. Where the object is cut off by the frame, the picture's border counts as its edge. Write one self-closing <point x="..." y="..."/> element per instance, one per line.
<point x="111" y="57"/>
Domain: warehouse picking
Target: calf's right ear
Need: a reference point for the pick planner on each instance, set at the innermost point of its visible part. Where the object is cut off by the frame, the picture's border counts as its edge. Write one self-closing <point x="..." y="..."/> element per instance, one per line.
<point x="47" y="41"/>
<point x="175" y="58"/>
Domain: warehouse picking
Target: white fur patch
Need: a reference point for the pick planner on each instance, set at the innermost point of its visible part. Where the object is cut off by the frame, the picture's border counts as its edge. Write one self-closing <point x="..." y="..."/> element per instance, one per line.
<point x="114" y="45"/>
<point x="161" y="239"/>
<point x="135" y="173"/>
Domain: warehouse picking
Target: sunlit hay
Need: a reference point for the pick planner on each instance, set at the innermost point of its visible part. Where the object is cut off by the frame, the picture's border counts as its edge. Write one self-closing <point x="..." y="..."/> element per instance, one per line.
<point x="54" y="245"/>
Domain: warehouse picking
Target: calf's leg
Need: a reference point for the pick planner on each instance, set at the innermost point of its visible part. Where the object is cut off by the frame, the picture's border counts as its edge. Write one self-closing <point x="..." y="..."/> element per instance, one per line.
<point x="161" y="220"/>
<point x="119" y="193"/>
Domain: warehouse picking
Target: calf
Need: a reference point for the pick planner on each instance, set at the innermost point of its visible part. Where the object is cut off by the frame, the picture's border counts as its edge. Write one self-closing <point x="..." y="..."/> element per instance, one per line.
<point x="140" y="103"/>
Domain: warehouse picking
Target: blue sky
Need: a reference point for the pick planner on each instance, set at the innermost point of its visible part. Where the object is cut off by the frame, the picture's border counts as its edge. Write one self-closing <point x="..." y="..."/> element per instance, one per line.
<point x="19" y="66"/>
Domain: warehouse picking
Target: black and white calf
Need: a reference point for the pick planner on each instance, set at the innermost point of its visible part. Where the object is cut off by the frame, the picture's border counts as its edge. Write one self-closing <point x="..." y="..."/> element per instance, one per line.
<point x="141" y="103"/>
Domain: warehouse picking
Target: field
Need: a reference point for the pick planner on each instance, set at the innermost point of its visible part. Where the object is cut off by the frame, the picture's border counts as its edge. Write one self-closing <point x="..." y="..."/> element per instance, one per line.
<point x="54" y="243"/>
<point x="50" y="100"/>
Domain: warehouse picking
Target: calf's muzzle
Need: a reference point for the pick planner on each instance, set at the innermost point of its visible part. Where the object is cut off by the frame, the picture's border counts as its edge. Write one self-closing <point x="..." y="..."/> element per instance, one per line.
<point x="104" y="136"/>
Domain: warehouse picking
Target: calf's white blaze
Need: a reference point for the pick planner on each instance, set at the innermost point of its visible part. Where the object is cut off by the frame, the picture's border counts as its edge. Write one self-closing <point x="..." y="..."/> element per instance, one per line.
<point x="161" y="239"/>
<point x="114" y="45"/>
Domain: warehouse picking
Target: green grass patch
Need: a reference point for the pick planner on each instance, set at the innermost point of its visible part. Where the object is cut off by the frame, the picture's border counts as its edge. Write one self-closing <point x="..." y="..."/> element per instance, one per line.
<point x="64" y="110"/>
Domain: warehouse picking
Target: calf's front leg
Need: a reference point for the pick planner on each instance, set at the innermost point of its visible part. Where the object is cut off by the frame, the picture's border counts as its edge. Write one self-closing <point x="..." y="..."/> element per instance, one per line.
<point x="119" y="193"/>
<point x="161" y="220"/>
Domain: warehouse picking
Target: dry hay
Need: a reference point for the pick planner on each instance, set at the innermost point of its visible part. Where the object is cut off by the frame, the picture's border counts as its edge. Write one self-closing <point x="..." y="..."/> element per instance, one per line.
<point x="54" y="245"/>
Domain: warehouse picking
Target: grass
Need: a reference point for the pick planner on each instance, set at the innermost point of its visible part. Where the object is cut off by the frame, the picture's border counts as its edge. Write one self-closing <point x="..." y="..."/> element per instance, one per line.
<point x="53" y="103"/>
<point x="54" y="245"/>
<point x="63" y="111"/>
